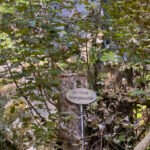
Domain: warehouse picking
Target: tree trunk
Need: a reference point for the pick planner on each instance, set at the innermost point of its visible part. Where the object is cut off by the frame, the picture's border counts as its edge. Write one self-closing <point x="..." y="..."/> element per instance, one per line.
<point x="73" y="127"/>
<point x="144" y="144"/>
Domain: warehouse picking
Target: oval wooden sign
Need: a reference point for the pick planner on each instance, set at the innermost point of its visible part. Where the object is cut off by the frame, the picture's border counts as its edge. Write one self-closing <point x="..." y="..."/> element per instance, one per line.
<point x="81" y="96"/>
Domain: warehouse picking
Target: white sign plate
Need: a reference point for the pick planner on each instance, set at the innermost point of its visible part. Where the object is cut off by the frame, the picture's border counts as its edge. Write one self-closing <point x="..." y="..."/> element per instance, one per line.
<point x="81" y="96"/>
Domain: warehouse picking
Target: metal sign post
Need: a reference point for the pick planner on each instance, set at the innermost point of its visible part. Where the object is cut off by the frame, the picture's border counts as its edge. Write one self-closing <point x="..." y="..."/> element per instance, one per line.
<point x="82" y="125"/>
<point x="81" y="96"/>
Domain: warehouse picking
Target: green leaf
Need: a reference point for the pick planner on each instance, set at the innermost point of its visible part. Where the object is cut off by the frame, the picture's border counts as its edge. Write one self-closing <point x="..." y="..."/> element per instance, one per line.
<point x="139" y="115"/>
<point x="40" y="106"/>
<point x="122" y="137"/>
<point x="51" y="125"/>
<point x="110" y="56"/>
<point x="12" y="109"/>
<point x="68" y="118"/>
<point x="138" y="92"/>
<point x="63" y="32"/>
<point x="147" y="61"/>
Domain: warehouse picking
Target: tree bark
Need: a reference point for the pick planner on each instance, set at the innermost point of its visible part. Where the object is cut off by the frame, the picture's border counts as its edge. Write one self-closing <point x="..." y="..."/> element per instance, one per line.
<point x="71" y="137"/>
<point x="144" y="144"/>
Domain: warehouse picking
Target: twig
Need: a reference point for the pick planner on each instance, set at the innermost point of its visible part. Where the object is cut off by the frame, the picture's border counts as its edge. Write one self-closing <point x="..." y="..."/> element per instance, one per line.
<point x="20" y="90"/>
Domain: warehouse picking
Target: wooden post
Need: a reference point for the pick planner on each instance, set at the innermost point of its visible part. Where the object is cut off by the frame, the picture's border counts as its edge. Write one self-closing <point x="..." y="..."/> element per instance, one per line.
<point x="73" y="127"/>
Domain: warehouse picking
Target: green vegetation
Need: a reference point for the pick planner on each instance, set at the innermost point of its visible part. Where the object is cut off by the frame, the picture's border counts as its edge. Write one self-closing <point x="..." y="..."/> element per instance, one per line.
<point x="42" y="39"/>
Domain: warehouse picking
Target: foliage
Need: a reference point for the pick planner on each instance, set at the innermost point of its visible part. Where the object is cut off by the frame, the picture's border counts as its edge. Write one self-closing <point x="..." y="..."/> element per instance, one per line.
<point x="41" y="39"/>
